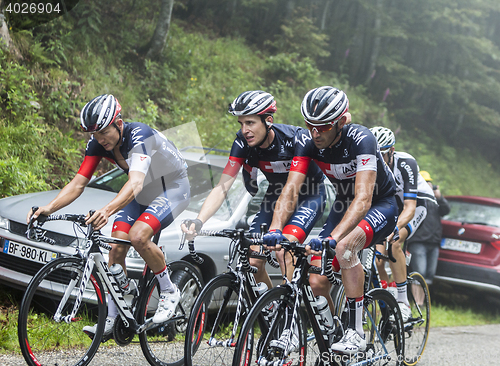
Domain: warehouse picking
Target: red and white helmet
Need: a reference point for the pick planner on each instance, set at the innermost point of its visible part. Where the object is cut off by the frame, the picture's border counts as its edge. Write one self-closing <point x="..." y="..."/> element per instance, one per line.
<point x="253" y="102"/>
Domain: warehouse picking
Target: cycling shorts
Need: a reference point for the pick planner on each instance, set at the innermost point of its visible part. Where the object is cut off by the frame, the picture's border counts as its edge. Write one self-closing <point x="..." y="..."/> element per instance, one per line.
<point x="166" y="201"/>
<point x="378" y="223"/>
<point x="309" y="209"/>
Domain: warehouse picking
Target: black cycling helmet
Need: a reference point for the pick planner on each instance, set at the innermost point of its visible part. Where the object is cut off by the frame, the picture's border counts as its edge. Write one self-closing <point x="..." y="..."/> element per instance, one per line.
<point x="253" y="102"/>
<point x="99" y="113"/>
<point x="324" y="104"/>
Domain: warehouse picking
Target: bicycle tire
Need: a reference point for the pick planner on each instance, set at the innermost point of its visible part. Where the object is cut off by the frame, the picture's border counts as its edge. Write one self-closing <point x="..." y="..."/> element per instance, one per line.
<point x="212" y="319"/>
<point x="383" y="327"/>
<point x="417" y="327"/>
<point x="164" y="345"/>
<point x="44" y="341"/>
<point x="247" y="348"/>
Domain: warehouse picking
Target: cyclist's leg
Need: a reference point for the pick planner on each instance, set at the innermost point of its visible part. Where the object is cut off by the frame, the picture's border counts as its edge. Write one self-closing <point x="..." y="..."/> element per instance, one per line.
<point x="377" y="224"/>
<point x="263" y="216"/>
<point x="320" y="284"/>
<point x="380" y="263"/>
<point x="399" y="267"/>
<point x="309" y="209"/>
<point x="169" y="203"/>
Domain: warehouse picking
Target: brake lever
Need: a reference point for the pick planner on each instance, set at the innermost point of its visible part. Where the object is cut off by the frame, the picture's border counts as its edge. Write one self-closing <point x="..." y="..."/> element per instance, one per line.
<point x="183" y="240"/>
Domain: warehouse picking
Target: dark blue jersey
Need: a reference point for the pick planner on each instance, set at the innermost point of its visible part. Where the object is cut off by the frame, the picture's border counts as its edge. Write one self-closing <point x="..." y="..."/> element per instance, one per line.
<point x="274" y="161"/>
<point x="356" y="151"/>
<point x="144" y="149"/>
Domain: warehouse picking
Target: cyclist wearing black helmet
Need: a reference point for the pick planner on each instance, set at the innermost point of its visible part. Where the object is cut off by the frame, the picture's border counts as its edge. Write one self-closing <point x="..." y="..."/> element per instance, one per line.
<point x="365" y="208"/>
<point x="261" y="145"/>
<point x="156" y="192"/>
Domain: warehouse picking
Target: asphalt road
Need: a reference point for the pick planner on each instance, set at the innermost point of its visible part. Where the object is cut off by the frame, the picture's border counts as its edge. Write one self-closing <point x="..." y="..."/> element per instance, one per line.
<point x="472" y="345"/>
<point x="454" y="346"/>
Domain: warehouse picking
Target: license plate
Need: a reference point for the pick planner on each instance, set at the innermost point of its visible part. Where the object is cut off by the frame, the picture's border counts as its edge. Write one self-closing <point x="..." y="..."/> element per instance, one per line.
<point x="461" y="245"/>
<point x="28" y="252"/>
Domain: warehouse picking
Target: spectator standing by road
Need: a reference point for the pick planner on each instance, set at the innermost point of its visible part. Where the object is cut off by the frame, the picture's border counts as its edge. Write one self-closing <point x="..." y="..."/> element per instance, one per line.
<point x="424" y="244"/>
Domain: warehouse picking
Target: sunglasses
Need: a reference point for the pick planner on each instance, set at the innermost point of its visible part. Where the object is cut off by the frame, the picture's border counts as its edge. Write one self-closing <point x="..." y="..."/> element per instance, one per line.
<point x="324" y="127"/>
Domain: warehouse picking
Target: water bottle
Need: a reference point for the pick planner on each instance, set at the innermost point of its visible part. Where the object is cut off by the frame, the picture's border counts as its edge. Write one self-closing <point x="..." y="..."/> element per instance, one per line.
<point x="120" y="277"/>
<point x="324" y="311"/>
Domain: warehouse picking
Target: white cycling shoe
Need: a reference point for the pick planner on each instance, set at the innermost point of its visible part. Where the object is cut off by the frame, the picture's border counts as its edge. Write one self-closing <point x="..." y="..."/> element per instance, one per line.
<point x="166" y="306"/>
<point x="287" y="341"/>
<point x="350" y="343"/>
<point x="108" y="330"/>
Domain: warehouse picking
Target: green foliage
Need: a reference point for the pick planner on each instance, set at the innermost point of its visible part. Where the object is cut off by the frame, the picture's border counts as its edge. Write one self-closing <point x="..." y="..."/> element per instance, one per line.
<point x="299" y="35"/>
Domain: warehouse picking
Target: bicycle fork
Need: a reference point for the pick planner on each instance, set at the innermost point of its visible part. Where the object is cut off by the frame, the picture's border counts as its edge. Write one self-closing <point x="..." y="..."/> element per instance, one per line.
<point x="89" y="266"/>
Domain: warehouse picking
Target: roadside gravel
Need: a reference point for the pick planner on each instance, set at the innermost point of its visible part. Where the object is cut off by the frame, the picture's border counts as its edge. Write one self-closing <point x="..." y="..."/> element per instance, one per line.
<point x="471" y="346"/>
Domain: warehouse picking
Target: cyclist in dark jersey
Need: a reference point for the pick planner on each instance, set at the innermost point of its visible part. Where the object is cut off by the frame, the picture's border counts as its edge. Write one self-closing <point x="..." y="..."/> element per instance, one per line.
<point x="365" y="208"/>
<point x="261" y="145"/>
<point x="156" y="192"/>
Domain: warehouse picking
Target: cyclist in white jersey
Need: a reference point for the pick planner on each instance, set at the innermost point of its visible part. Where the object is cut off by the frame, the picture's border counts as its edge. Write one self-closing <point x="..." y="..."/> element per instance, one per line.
<point x="412" y="194"/>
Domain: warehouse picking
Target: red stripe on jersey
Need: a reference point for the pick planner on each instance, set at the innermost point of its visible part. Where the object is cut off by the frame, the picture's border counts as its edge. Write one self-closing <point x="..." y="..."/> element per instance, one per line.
<point x="121" y="226"/>
<point x="151" y="221"/>
<point x="325" y="168"/>
<point x="233" y="166"/>
<point x="295" y="231"/>
<point x="300" y="164"/>
<point x="365" y="226"/>
<point x="89" y="165"/>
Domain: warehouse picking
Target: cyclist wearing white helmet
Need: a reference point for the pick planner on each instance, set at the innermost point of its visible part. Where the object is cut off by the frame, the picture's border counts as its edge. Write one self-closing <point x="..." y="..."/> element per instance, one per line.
<point x="261" y="145"/>
<point x="157" y="178"/>
<point x="413" y="195"/>
<point x="365" y="208"/>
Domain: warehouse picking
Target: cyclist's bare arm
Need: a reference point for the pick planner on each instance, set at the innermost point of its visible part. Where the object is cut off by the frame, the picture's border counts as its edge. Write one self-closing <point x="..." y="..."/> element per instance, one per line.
<point x="68" y="194"/>
<point x="213" y="202"/>
<point x="407" y="213"/>
<point x="287" y="201"/>
<point x="123" y="198"/>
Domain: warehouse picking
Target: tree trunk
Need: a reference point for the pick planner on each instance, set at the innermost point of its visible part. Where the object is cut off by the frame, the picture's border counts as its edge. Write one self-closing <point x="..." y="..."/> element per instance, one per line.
<point x="4" y="29"/>
<point x="157" y="43"/>
<point x="376" y="42"/>
<point x="325" y="12"/>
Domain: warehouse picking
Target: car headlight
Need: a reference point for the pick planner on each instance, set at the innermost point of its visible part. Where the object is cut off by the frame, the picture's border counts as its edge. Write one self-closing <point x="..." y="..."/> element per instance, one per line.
<point x="4" y="223"/>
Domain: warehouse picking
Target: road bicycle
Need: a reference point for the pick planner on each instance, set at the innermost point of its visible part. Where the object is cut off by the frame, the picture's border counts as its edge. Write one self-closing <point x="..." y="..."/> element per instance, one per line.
<point x="225" y="301"/>
<point x="73" y="289"/>
<point x="383" y="324"/>
<point x="416" y="329"/>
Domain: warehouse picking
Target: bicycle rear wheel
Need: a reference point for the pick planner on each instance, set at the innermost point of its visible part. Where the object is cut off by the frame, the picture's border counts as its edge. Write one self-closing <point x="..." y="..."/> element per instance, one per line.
<point x="164" y="345"/>
<point x="212" y="321"/>
<point x="383" y="326"/>
<point x="417" y="327"/>
<point x="45" y="341"/>
<point x="257" y="334"/>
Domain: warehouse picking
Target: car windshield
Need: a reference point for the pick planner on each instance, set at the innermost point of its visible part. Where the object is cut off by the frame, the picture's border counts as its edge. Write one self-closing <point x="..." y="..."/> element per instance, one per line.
<point x="202" y="178"/>
<point x="466" y="212"/>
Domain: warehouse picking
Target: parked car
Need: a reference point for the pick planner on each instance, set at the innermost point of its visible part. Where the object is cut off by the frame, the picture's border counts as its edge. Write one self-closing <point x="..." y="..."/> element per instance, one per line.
<point x="470" y="247"/>
<point x="21" y="258"/>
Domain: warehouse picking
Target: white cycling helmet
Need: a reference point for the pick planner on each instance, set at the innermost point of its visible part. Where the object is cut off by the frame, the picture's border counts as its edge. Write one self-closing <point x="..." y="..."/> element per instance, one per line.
<point x="99" y="113"/>
<point x="324" y="104"/>
<point x="385" y="137"/>
<point x="253" y="102"/>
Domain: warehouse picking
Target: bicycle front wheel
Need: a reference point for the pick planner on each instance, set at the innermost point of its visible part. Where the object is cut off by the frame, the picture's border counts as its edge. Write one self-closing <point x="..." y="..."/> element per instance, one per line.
<point x="383" y="327"/>
<point x="267" y="335"/>
<point x="164" y="345"/>
<point x="215" y="322"/>
<point x="45" y="338"/>
<point x="417" y="327"/>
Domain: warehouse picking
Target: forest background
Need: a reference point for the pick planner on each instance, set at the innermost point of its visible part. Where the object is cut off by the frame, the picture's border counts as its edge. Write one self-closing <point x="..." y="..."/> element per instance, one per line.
<point x="428" y="69"/>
